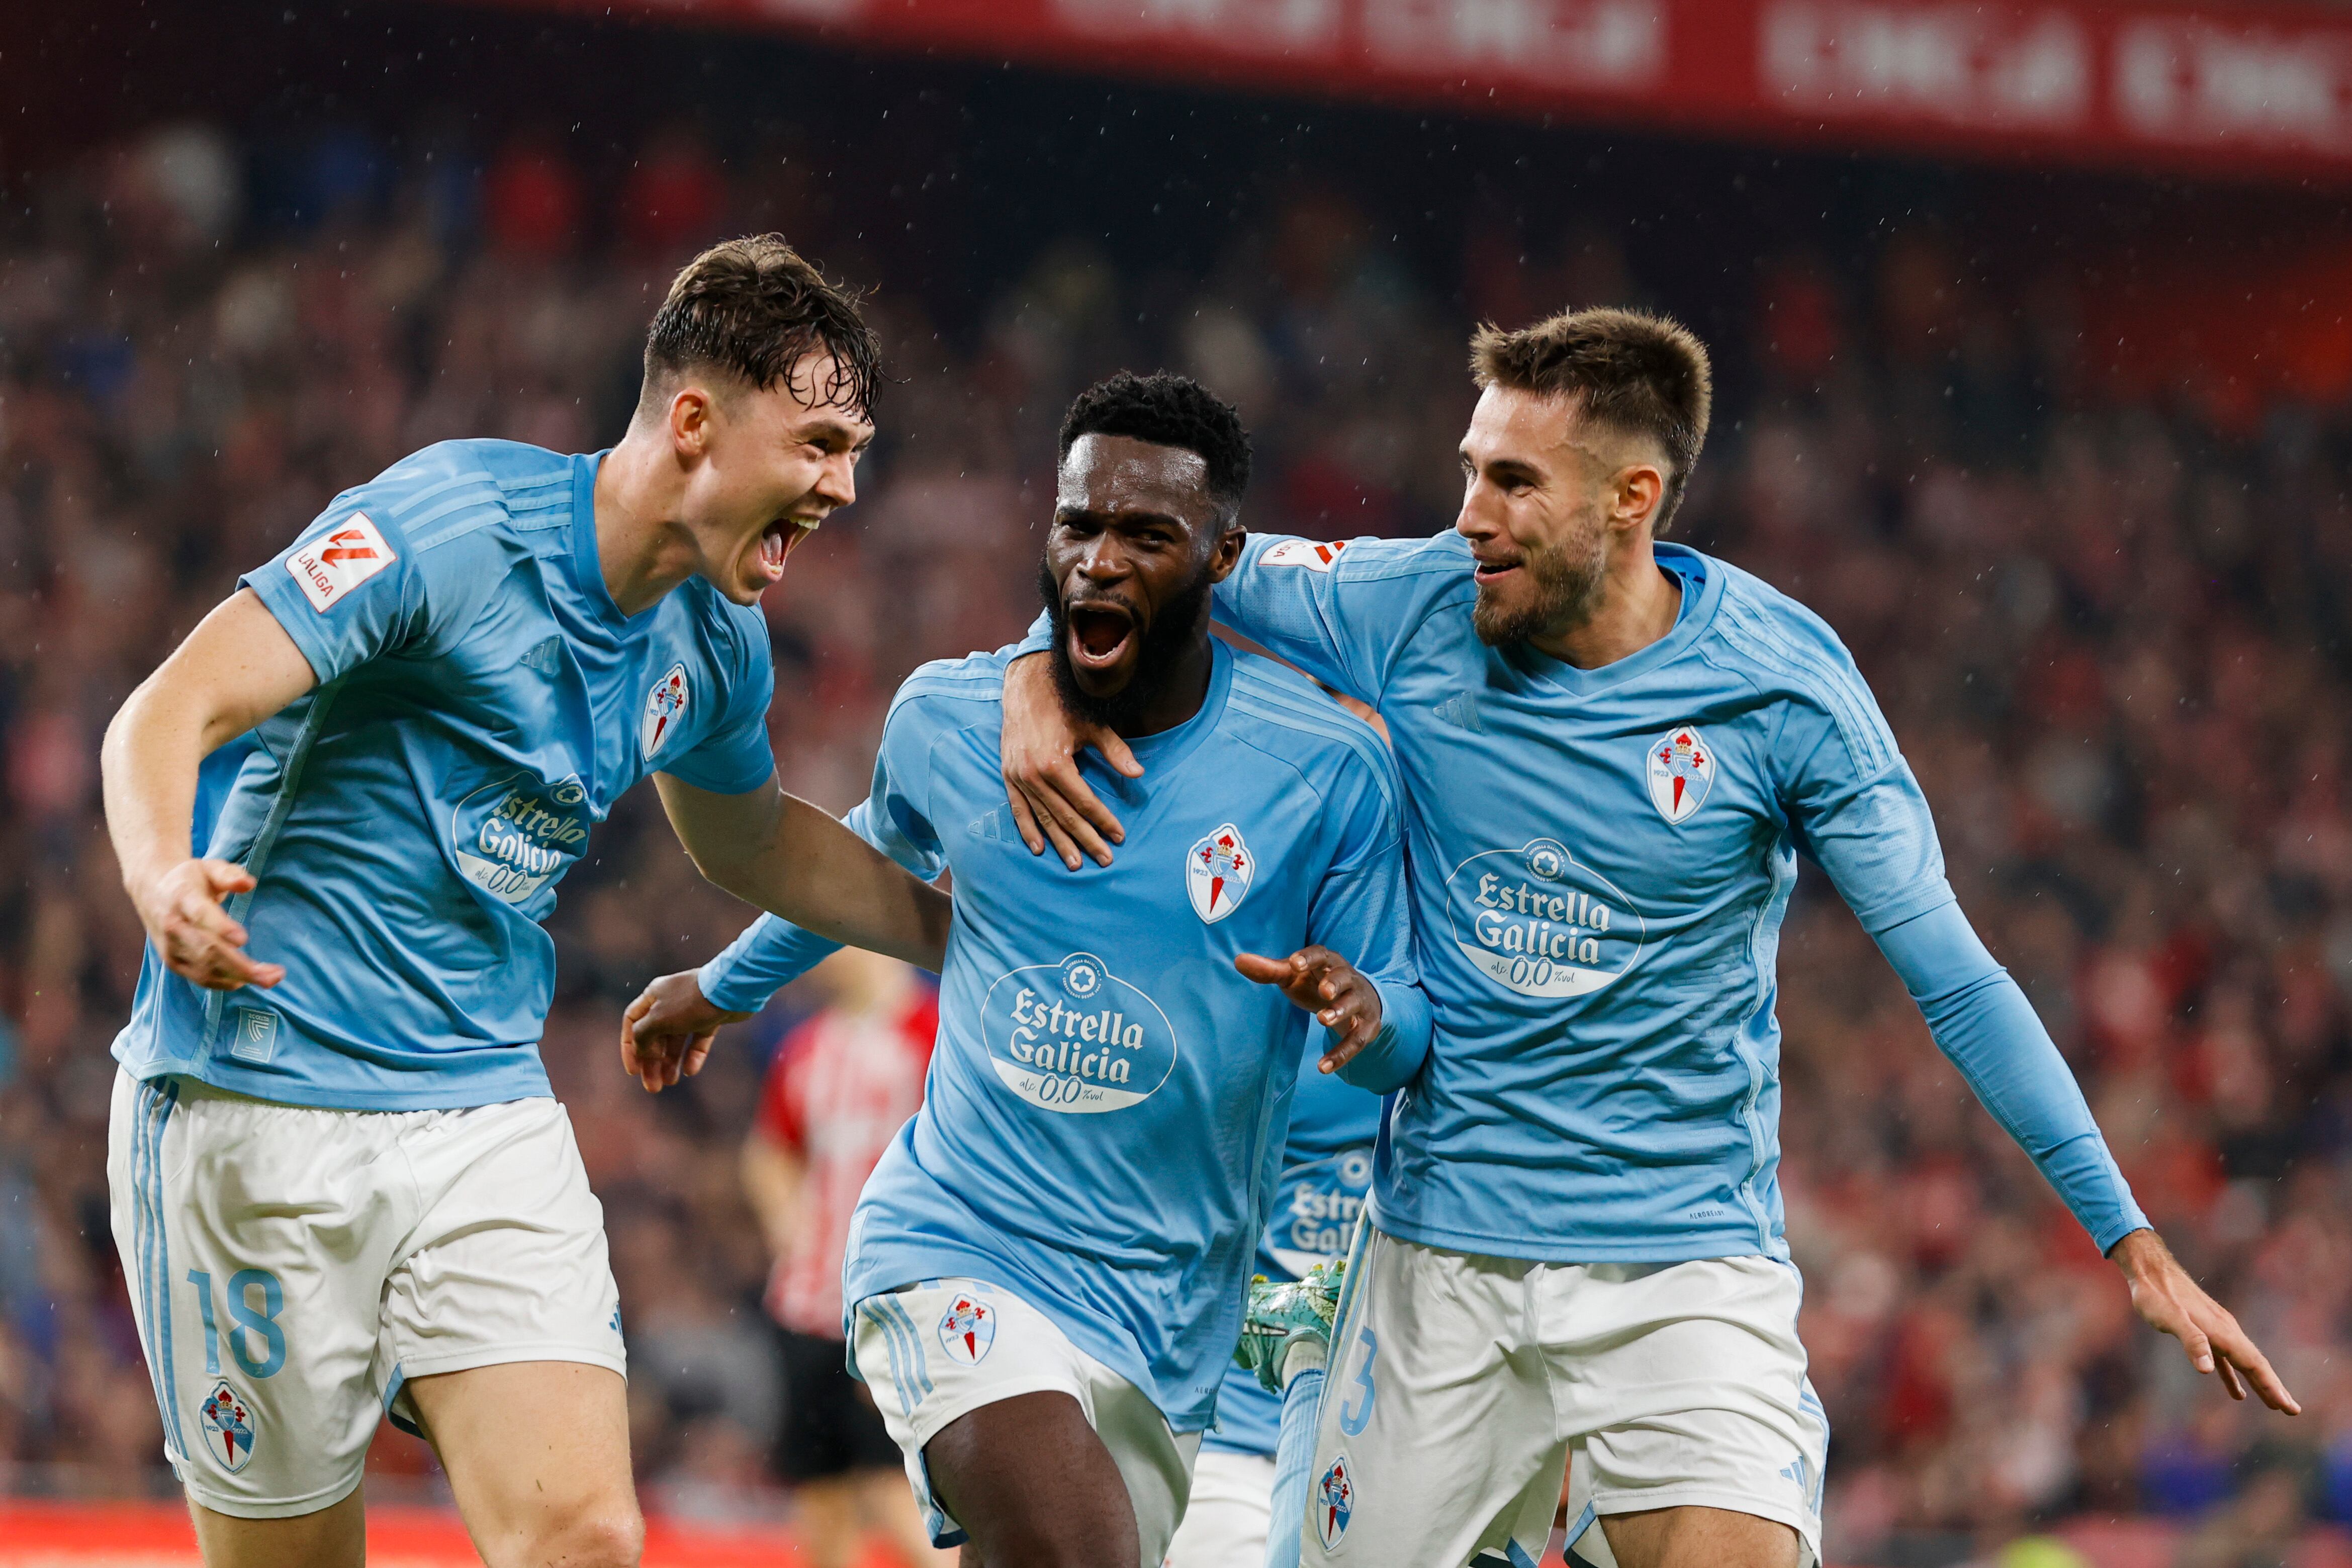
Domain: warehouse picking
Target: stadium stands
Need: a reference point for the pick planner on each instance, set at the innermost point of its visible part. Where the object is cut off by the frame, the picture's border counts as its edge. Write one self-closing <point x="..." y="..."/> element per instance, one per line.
<point x="2107" y="619"/>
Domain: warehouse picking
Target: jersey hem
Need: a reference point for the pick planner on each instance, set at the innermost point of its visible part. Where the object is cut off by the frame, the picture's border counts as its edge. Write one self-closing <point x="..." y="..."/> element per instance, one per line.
<point x="324" y="1498"/>
<point x="304" y="1097"/>
<point x="1679" y="1247"/>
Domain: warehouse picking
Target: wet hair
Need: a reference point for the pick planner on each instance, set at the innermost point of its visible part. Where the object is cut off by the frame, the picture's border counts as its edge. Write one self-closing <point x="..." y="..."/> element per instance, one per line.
<point x="1170" y="410"/>
<point x="1629" y="371"/>
<point x="751" y="310"/>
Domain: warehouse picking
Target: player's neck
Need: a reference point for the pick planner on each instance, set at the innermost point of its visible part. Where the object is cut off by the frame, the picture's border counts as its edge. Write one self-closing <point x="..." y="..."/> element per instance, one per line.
<point x="1180" y="695"/>
<point x="1638" y="604"/>
<point x="641" y="552"/>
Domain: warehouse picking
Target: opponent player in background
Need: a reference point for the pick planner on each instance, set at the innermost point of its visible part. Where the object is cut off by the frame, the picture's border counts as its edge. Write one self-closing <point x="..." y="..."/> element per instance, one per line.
<point x="1613" y="752"/>
<point x="340" y="1184"/>
<point x="1045" y="1272"/>
<point x="840" y="1087"/>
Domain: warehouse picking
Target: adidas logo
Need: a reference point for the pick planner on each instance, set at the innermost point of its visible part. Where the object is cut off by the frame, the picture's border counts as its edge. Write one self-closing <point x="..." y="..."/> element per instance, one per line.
<point x="546" y="658"/>
<point x="1462" y="713"/>
<point x="996" y="824"/>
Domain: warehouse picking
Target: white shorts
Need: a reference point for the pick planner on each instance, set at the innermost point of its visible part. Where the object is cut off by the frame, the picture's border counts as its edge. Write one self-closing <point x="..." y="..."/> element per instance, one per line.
<point x="1225" y="1524"/>
<point x="291" y="1268"/>
<point x="1462" y="1388"/>
<point x="933" y="1352"/>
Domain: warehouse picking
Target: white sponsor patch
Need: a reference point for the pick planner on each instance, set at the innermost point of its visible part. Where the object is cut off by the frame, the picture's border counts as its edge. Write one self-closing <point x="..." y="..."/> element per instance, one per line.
<point x="1538" y="921"/>
<point x="1315" y="555"/>
<point x="339" y="560"/>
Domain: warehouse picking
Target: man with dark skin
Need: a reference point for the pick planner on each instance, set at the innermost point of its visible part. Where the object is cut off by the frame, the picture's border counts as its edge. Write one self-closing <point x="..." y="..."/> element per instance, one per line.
<point x="1047" y="1267"/>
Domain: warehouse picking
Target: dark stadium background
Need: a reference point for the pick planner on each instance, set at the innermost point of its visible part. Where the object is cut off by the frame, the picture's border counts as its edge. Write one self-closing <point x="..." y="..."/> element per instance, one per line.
<point x="2058" y="445"/>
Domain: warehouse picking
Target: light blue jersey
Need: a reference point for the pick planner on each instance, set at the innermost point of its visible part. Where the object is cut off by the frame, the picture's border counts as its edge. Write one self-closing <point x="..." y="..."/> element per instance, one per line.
<point x="1601" y="860"/>
<point x="1327" y="1173"/>
<point x="1104" y="1120"/>
<point x="482" y="703"/>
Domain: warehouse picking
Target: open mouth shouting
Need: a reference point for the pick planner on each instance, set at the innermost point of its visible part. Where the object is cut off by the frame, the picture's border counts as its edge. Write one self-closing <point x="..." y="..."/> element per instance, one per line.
<point x="776" y="542"/>
<point x="1101" y="632"/>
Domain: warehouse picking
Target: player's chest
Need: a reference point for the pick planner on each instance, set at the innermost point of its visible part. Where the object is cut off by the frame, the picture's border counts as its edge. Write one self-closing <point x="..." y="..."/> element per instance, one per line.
<point x="545" y="693"/>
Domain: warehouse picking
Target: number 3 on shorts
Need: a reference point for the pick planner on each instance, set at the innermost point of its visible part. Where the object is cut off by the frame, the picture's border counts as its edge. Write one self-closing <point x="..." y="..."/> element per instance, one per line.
<point x="1358" y="1408"/>
<point x="261" y="1325"/>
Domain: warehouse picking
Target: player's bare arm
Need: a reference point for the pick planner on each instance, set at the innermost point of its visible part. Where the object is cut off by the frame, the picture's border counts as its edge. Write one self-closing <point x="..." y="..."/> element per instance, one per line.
<point x="1051" y="801"/>
<point x="236" y="669"/>
<point x="666" y="1032"/>
<point x="1341" y="997"/>
<point x="790" y="859"/>
<point x="2163" y="1294"/>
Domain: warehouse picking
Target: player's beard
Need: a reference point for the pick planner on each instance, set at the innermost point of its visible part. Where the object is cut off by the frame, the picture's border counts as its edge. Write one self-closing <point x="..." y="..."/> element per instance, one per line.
<point x="1173" y="624"/>
<point x="1566" y="580"/>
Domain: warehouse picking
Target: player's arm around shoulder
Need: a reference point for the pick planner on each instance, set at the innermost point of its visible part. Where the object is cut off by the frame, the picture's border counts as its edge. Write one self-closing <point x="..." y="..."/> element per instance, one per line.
<point x="236" y="669"/>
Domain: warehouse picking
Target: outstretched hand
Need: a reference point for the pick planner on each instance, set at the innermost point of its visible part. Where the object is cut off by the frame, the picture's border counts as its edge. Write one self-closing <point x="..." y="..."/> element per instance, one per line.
<point x="194" y="935"/>
<point x="2164" y="1294"/>
<point x="1340" y="996"/>
<point x="1051" y="801"/>
<point x="666" y="1034"/>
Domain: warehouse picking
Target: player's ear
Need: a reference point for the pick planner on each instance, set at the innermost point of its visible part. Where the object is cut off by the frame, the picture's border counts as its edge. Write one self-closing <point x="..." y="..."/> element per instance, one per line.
<point x="1226" y="553"/>
<point x="690" y="417"/>
<point x="1640" y="489"/>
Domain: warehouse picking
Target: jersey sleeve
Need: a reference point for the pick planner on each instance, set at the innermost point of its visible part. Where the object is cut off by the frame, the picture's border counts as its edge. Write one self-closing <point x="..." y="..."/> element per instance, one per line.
<point x="735" y="756"/>
<point x="1362" y="911"/>
<point x="1982" y="1021"/>
<point x="354" y="586"/>
<point x="772" y="953"/>
<point x="1858" y="810"/>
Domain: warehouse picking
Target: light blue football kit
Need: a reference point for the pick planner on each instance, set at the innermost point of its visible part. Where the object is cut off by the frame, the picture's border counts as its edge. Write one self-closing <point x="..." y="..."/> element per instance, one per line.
<point x="481" y="703"/>
<point x="1601" y="860"/>
<point x="359" y="1176"/>
<point x="1106" y="1112"/>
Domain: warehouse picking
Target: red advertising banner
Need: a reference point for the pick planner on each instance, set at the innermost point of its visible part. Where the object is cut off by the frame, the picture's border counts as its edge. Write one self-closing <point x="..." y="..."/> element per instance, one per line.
<point x="2243" y="90"/>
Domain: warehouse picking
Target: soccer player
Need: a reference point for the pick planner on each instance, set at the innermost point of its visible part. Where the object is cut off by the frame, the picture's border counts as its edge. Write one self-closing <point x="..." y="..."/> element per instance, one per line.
<point x="840" y="1087"/>
<point x="1326" y="1170"/>
<point x="339" y="1182"/>
<point x="1613" y="752"/>
<point x="1045" y="1272"/>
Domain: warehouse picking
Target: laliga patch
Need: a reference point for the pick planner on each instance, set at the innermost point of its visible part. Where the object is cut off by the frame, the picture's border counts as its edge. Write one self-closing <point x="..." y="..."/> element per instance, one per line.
<point x="967" y="1329"/>
<point x="339" y="560"/>
<point x="1333" y="1503"/>
<point x="1315" y="555"/>
<point x="227" y="1428"/>
<point x="1682" y="770"/>
<point x="664" y="711"/>
<point x="1217" y="872"/>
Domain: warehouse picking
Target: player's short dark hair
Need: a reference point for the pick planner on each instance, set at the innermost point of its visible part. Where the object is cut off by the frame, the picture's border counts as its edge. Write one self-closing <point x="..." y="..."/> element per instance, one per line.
<point x="1629" y="371"/>
<point x="1170" y="410"/>
<point x="751" y="308"/>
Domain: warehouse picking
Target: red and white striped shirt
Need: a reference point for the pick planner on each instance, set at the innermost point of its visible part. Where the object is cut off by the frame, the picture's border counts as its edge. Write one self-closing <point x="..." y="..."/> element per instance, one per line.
<point x="840" y="1088"/>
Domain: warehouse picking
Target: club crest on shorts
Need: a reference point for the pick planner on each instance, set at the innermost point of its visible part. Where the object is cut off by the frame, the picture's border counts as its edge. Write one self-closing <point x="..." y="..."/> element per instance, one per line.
<point x="1682" y="770"/>
<point x="967" y="1329"/>
<point x="227" y="1428"/>
<point x="664" y="710"/>
<point x="1217" y="872"/>
<point x="1333" y="1503"/>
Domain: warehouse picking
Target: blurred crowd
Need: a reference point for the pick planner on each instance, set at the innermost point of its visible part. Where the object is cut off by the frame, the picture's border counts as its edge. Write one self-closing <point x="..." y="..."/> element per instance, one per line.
<point x="2109" y="635"/>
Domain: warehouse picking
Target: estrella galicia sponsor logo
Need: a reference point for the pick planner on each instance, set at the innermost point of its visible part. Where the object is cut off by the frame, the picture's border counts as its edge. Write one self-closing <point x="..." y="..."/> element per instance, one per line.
<point x="1073" y="1037"/>
<point x="511" y="838"/>
<point x="227" y="1428"/>
<point x="1315" y="1208"/>
<point x="1541" y="922"/>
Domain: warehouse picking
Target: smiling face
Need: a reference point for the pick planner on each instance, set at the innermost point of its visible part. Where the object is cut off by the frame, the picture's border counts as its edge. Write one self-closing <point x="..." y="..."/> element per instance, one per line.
<point x="1541" y="490"/>
<point x="764" y="469"/>
<point x="1137" y="541"/>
